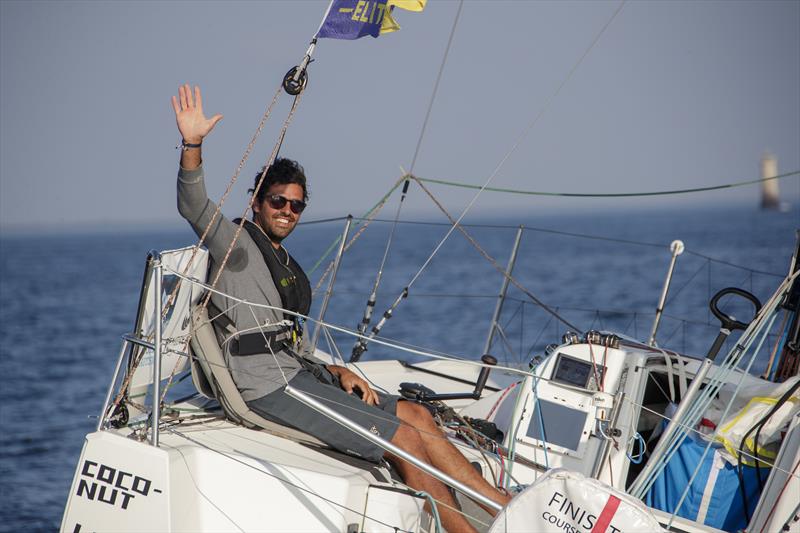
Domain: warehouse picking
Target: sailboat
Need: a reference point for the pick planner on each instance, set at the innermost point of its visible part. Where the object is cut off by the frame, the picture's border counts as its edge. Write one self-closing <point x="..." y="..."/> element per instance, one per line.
<point x="589" y="409"/>
<point x="593" y="436"/>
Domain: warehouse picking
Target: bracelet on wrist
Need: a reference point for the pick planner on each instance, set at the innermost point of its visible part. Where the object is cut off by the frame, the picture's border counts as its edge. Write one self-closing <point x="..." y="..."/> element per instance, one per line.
<point x="186" y="146"/>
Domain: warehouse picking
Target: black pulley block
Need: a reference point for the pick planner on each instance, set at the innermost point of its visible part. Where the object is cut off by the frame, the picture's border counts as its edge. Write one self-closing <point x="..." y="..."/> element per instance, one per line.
<point x="295" y="86"/>
<point x="118" y="417"/>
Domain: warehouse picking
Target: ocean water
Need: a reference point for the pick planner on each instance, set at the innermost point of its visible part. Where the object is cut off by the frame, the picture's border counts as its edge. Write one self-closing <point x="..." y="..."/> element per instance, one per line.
<point x="67" y="299"/>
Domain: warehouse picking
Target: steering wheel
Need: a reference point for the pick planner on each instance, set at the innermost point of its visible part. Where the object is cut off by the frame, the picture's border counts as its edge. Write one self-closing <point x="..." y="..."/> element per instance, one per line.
<point x="729" y="322"/>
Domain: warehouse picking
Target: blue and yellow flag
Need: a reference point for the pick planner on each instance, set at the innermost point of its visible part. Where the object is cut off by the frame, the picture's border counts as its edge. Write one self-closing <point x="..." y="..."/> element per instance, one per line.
<point x="353" y="19"/>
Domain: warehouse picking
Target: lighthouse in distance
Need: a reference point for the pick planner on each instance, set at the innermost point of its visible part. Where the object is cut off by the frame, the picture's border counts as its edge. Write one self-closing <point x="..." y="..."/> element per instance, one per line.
<point x="770" y="195"/>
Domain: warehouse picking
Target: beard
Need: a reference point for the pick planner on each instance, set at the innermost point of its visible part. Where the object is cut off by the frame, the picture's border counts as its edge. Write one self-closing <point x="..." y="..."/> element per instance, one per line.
<point x="275" y="230"/>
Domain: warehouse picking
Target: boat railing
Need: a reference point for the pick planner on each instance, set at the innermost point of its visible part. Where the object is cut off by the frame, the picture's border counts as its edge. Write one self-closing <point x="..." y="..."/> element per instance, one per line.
<point x="130" y="341"/>
<point x="676" y="318"/>
<point x="153" y="280"/>
<point x="156" y="407"/>
<point x="153" y="341"/>
<point x="148" y="344"/>
<point x="148" y="337"/>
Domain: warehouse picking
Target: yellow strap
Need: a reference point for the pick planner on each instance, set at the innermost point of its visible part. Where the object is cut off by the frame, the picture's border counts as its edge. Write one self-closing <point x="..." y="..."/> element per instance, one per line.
<point x="749" y="443"/>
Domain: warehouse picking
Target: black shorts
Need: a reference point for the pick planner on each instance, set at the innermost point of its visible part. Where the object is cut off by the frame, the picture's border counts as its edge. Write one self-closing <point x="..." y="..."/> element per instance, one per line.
<point x="380" y="419"/>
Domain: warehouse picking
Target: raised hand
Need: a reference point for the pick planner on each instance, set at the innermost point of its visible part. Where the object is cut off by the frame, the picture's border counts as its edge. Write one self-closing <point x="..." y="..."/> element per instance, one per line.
<point x="192" y="123"/>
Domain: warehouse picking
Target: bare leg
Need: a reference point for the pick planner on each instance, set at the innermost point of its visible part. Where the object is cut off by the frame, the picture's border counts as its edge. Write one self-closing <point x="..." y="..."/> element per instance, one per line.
<point x="446" y="457"/>
<point x="408" y="439"/>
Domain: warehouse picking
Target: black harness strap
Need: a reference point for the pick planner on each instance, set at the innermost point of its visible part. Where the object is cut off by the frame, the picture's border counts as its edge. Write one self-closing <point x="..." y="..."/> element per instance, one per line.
<point x="290" y="280"/>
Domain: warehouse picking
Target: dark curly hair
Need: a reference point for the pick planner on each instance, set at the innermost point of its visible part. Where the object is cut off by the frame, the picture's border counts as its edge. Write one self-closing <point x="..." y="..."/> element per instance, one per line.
<point x="282" y="171"/>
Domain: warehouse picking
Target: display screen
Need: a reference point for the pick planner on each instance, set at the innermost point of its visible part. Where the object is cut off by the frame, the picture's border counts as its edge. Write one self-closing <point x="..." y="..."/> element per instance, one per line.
<point x="576" y="372"/>
<point x="556" y="424"/>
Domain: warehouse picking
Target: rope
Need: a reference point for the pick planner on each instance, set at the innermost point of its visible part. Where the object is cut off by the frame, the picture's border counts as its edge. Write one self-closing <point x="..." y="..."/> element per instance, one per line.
<point x="492" y="261"/>
<point x="388" y="343"/>
<point x="712" y="386"/>
<point x="362" y="326"/>
<point x="437" y="523"/>
<point x="381" y="416"/>
<point x="248" y="150"/>
<point x="368" y="217"/>
<point x="404" y="293"/>
<point x="613" y="194"/>
<point x="703" y="401"/>
<point x="780" y="495"/>
<point x="247" y="209"/>
<point x="246" y="155"/>
<point x="637" y="439"/>
<point x="550" y="99"/>
<point x="539" y="378"/>
<point x="779" y="340"/>
<point x="372" y="212"/>
<point x="239" y="301"/>
<point x="361" y="346"/>
<point x="436" y="85"/>
<point x="564" y="233"/>
<point x="702" y="435"/>
<point x="232" y="181"/>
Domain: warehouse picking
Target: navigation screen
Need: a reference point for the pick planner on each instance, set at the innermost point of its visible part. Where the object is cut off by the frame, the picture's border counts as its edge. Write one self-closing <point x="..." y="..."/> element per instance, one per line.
<point x="575" y="372"/>
<point x="557" y="424"/>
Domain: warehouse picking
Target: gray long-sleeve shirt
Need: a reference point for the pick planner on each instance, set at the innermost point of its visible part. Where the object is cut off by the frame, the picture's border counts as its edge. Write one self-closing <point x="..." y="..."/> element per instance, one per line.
<point x="245" y="276"/>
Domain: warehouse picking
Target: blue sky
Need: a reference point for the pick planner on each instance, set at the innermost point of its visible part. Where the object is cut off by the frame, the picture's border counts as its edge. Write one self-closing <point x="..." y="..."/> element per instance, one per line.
<point x="673" y="95"/>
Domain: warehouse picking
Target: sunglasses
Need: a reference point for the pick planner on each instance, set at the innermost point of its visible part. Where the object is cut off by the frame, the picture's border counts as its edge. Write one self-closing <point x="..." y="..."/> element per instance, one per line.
<point x="276" y="201"/>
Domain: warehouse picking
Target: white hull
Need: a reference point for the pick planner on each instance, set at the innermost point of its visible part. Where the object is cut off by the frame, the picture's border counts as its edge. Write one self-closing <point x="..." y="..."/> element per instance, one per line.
<point x="216" y="476"/>
<point x="194" y="470"/>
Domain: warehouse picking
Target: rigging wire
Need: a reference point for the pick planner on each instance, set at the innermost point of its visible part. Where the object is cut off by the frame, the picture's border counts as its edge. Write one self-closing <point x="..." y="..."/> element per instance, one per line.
<point x="613" y="194"/>
<point x="730" y="363"/>
<point x="675" y="293"/>
<point x="367" y="218"/>
<point x="404" y="292"/>
<point x="276" y="148"/>
<point x="638" y="405"/>
<point x="391" y="344"/>
<point x="723" y="417"/>
<point x="250" y="307"/>
<point x="494" y="263"/>
<point x="361" y="346"/>
<point x="554" y="232"/>
<point x="217" y="212"/>
<point x="436" y="86"/>
<point x="272" y="156"/>
<point x="593" y="311"/>
<point x="537" y="377"/>
<point x="383" y="416"/>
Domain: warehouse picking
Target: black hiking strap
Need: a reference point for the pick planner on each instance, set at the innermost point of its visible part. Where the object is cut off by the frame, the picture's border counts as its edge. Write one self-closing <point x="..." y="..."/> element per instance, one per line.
<point x="259" y="342"/>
